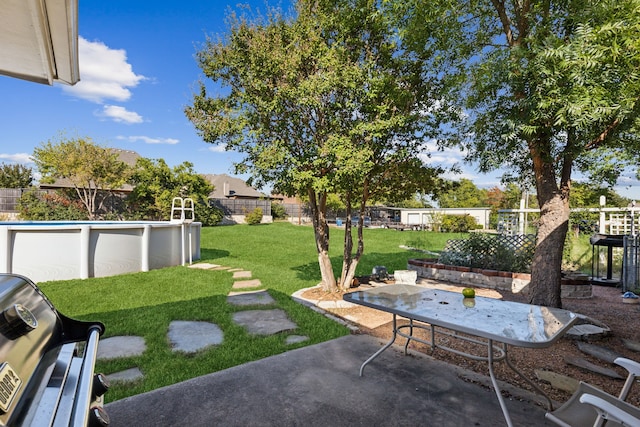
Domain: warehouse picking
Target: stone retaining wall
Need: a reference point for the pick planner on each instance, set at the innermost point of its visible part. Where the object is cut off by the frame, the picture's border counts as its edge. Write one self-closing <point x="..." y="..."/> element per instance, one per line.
<point x="491" y="279"/>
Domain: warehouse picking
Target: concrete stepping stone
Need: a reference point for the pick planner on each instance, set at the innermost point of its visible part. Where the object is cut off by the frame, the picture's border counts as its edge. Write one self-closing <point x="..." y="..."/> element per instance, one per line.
<point x="264" y="322"/>
<point x="586" y="332"/>
<point x="585" y="364"/>
<point x="559" y="381"/>
<point x="327" y="305"/>
<point x="295" y="339"/>
<point x="128" y="375"/>
<point x="204" y="266"/>
<point x="121" y="346"/>
<point x="588" y="328"/>
<point x="254" y="283"/>
<point x="631" y="345"/>
<point x="191" y="336"/>
<point x="241" y="274"/>
<point x="250" y="298"/>
<point x="599" y="352"/>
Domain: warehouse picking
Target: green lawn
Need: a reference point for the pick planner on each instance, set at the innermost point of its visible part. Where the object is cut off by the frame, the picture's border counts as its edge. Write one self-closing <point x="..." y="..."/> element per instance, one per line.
<point x="281" y="255"/>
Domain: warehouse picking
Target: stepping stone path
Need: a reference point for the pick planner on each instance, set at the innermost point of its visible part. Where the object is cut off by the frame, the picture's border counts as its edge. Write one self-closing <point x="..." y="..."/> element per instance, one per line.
<point x="264" y="322"/>
<point x="117" y="347"/>
<point x="253" y="283"/>
<point x="585" y="364"/>
<point x="250" y="298"/>
<point x="192" y="336"/>
<point x="559" y="381"/>
<point x="587" y="329"/>
<point x="597" y="351"/>
<point x="631" y="345"/>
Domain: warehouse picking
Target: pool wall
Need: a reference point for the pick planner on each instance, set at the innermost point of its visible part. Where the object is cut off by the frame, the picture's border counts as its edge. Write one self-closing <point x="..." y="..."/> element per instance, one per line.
<point x="51" y="250"/>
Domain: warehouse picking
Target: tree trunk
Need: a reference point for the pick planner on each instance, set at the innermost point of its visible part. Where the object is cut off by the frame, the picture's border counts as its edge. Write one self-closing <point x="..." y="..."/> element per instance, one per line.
<point x="321" y="231"/>
<point x="552" y="231"/>
<point x="345" y="277"/>
<point x="547" y="259"/>
<point x="350" y="262"/>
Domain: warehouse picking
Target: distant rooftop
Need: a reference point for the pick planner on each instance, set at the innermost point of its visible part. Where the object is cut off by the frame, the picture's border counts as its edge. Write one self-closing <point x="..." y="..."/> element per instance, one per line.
<point x="127" y="156"/>
<point x="228" y="187"/>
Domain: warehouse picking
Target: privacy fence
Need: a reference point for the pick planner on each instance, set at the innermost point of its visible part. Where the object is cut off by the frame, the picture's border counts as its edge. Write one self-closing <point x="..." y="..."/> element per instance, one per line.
<point x="242" y="206"/>
<point x="9" y="198"/>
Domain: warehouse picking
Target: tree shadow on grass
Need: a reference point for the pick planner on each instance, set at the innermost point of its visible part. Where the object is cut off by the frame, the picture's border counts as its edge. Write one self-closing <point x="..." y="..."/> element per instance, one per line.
<point x="209" y="254"/>
<point x="392" y="261"/>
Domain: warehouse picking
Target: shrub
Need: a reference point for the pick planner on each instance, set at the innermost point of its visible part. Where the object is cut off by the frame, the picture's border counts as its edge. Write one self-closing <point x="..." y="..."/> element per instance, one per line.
<point x="458" y="223"/>
<point x="37" y="206"/>
<point x="278" y="211"/>
<point x="207" y="214"/>
<point x="254" y="217"/>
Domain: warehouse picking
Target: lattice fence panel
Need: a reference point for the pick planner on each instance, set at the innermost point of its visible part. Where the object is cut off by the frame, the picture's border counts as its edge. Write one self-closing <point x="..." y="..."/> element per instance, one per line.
<point x="498" y="252"/>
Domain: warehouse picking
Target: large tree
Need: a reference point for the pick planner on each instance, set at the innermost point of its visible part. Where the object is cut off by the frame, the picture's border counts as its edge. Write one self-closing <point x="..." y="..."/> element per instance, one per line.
<point x="90" y="168"/>
<point x="321" y="103"/>
<point x="156" y="184"/>
<point x="463" y="194"/>
<point x="548" y="87"/>
<point x="13" y="175"/>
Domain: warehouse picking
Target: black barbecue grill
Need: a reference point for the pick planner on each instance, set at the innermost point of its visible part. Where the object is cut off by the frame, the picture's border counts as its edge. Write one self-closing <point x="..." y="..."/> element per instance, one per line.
<point x="46" y="362"/>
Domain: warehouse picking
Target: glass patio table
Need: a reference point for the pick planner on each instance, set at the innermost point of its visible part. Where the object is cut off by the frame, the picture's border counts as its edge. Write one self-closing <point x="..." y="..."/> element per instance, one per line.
<point x="482" y="321"/>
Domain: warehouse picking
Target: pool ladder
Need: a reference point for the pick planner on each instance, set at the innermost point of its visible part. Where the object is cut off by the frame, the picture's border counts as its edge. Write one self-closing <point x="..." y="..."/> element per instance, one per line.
<point x="182" y="210"/>
<point x="182" y="213"/>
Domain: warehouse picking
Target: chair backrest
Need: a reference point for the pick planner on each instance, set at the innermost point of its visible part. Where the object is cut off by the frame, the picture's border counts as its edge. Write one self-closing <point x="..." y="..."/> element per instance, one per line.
<point x="615" y="411"/>
<point x="573" y="412"/>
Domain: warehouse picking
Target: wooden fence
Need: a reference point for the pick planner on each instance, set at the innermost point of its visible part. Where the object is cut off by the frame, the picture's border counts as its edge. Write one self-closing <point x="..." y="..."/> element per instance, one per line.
<point x="9" y="198"/>
<point x="242" y="206"/>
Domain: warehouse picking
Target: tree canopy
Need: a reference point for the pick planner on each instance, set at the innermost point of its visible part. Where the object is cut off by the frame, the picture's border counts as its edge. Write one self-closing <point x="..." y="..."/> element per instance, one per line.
<point x="156" y="184"/>
<point x="463" y="194"/>
<point x="320" y="103"/>
<point x="88" y="167"/>
<point x="14" y="175"/>
<point x="547" y="87"/>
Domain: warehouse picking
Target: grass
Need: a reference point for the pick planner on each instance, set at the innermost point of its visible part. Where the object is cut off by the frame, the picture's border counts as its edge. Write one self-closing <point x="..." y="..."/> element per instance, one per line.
<point x="281" y="255"/>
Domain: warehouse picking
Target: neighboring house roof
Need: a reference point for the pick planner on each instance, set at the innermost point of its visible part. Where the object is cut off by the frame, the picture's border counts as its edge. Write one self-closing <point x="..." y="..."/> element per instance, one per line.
<point x="127" y="156"/>
<point x="228" y="187"/>
<point x="286" y="199"/>
<point x="40" y="40"/>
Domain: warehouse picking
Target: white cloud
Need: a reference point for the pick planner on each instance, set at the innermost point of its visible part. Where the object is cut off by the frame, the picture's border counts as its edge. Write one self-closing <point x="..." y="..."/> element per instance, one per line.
<point x="149" y="140"/>
<point x="17" y="158"/>
<point x="21" y="158"/>
<point x="446" y="157"/>
<point x="220" y="148"/>
<point x="104" y="73"/>
<point x="120" y="114"/>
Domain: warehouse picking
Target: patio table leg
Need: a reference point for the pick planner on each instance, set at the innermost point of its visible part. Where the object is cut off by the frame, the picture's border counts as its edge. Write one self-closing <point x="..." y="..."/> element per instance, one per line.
<point x="386" y="346"/>
<point x="406" y="345"/>
<point x="524" y="377"/>
<point x="496" y="388"/>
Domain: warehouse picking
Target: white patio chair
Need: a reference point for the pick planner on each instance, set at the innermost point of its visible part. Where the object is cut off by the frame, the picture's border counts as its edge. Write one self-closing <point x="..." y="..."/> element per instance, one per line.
<point x="614" y="411"/>
<point x="576" y="413"/>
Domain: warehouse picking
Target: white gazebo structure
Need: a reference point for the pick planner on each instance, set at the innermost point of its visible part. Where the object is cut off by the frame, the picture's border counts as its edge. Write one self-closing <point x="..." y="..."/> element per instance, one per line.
<point x="39" y="40"/>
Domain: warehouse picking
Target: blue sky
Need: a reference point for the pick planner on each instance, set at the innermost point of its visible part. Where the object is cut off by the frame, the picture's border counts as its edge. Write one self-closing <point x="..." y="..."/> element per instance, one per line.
<point x="138" y="72"/>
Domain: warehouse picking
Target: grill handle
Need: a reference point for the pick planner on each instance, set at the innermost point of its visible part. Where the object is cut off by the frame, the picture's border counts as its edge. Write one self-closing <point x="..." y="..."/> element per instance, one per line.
<point x="84" y="394"/>
<point x="77" y="330"/>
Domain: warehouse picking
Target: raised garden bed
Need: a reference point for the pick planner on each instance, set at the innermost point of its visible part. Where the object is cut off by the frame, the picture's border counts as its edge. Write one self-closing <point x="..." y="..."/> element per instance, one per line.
<point x="492" y="279"/>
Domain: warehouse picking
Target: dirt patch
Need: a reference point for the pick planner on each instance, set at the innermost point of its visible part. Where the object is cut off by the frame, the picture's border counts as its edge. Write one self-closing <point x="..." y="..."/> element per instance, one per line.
<point x="605" y="306"/>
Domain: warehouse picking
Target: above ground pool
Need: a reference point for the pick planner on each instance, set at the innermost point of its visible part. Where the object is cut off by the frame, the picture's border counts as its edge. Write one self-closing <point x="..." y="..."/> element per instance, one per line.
<point x="59" y="250"/>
